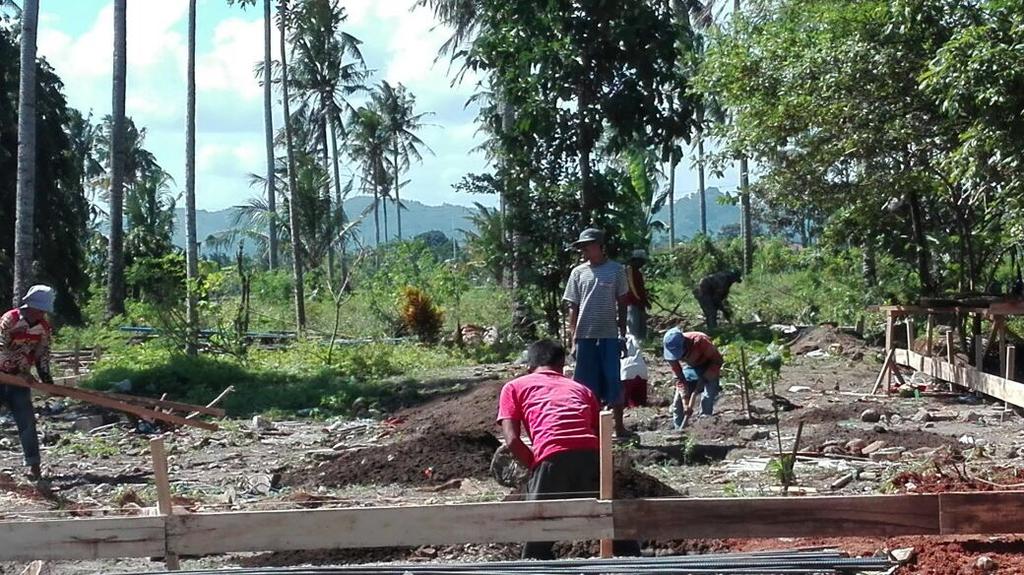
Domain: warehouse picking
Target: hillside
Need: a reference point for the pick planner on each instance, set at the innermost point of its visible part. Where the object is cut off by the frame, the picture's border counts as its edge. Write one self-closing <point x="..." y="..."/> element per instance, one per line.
<point x="419" y="218"/>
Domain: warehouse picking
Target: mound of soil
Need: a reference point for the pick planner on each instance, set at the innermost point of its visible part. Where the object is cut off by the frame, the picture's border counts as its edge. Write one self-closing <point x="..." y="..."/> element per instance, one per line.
<point x="473" y="411"/>
<point x="943" y="480"/>
<point x="830" y="339"/>
<point x="415" y="460"/>
<point x="907" y="439"/>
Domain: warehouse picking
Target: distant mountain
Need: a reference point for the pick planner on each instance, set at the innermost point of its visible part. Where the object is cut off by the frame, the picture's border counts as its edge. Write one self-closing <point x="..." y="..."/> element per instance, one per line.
<point x="687" y="212"/>
<point x="416" y="219"/>
<point x="450" y="219"/>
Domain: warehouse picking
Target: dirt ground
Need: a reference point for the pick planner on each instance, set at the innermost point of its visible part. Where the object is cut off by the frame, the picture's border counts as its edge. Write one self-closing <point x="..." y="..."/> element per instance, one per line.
<point x="440" y="452"/>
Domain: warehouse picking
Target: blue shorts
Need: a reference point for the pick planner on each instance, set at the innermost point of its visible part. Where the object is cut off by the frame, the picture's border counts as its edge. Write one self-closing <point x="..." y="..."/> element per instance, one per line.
<point x="597" y="367"/>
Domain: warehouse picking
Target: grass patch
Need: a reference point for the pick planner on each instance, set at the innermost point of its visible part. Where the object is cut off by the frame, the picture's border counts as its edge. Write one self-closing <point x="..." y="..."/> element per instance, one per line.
<point x="298" y="380"/>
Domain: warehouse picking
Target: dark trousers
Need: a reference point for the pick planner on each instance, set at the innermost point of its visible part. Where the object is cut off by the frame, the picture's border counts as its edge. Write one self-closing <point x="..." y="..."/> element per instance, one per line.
<point x="19" y="401"/>
<point x="567" y="475"/>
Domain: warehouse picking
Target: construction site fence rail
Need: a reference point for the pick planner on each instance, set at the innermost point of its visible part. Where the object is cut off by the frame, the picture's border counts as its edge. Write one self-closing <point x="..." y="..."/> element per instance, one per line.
<point x="980" y="513"/>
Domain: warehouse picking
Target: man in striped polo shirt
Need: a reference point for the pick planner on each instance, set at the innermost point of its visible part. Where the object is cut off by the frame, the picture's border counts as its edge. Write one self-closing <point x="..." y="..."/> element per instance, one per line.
<point x="597" y="296"/>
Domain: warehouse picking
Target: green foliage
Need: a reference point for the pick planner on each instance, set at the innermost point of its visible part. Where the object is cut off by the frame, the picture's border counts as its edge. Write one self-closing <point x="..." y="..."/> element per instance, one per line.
<point x="291" y="380"/>
<point x="61" y="208"/>
<point x="851" y="141"/>
<point x="158" y="279"/>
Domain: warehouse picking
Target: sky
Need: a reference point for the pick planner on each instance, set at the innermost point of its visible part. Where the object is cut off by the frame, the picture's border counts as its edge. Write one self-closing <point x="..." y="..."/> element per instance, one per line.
<point x="399" y="45"/>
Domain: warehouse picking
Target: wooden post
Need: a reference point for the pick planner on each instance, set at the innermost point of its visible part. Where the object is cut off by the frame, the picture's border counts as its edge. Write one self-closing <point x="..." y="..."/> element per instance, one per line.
<point x="1011" y="362"/>
<point x="979" y="352"/>
<point x="888" y="331"/>
<point x="929" y="332"/>
<point x="1001" y="329"/>
<point x="883" y="376"/>
<point x="163" y="490"/>
<point x="607" y="471"/>
<point x="1009" y="374"/>
<point x="950" y="352"/>
<point x="909" y="321"/>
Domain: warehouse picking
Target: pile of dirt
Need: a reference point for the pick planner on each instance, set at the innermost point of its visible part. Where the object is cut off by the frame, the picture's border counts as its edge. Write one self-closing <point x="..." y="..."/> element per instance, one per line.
<point x="831" y="340"/>
<point x="414" y="460"/>
<point x="907" y="439"/>
<point x="473" y="411"/>
<point x="950" y="479"/>
<point x="451" y="437"/>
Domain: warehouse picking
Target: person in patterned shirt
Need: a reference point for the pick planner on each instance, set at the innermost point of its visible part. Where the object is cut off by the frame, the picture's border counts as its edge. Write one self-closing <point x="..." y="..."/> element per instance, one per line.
<point x="25" y="342"/>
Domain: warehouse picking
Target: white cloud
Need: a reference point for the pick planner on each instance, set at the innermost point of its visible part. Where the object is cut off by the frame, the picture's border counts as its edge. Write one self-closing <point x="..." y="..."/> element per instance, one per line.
<point x="229" y="160"/>
<point x="230" y="66"/>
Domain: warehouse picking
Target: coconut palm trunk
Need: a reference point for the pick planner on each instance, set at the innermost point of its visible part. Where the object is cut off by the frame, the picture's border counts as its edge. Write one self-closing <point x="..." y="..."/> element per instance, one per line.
<point x="24" y="237"/>
<point x="191" y="247"/>
<point x="268" y="125"/>
<point x="398" y="185"/>
<point x="293" y="212"/>
<point x="115" y="254"/>
<point x="340" y="201"/>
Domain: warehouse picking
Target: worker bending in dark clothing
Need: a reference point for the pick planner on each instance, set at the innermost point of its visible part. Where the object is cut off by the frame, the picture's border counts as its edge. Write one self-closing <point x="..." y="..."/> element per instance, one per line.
<point x="712" y="294"/>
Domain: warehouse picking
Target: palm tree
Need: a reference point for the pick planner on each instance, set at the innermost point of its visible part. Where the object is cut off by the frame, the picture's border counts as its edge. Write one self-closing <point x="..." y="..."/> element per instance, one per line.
<point x="191" y="249"/>
<point x="268" y="128"/>
<point x="115" y="269"/>
<point x="283" y="17"/>
<point x="368" y="144"/>
<point x="24" y="237"/>
<point x="398" y="108"/>
<point x="327" y="68"/>
<point x="149" y="214"/>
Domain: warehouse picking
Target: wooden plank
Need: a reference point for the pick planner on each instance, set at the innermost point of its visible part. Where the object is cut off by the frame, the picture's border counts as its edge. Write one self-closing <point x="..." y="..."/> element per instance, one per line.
<point x="82" y="395"/>
<point x="981" y="513"/>
<point x="143" y="400"/>
<point x="81" y="539"/>
<point x="867" y="516"/>
<point x="607" y="471"/>
<point x="965" y="376"/>
<point x="571" y="519"/>
<point x="950" y="350"/>
<point x="163" y="491"/>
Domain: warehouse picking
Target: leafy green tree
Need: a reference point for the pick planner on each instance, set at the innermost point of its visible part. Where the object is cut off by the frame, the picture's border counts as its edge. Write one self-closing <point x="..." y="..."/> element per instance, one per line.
<point x="838" y="121"/>
<point x="61" y="211"/>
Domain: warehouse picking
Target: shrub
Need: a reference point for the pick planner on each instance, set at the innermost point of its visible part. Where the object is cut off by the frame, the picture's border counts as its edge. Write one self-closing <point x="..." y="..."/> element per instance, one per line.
<point x="420" y="316"/>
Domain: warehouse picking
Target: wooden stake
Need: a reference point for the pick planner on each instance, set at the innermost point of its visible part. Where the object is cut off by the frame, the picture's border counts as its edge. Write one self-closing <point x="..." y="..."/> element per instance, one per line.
<point x="607" y="471"/>
<point x="882" y="375"/>
<point x="950" y="352"/>
<point x="929" y="331"/>
<point x="1010" y="374"/>
<point x="163" y="490"/>
<point x="1001" y="328"/>
<point x="979" y="353"/>
<point x="888" y="331"/>
<point x="76" y="366"/>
